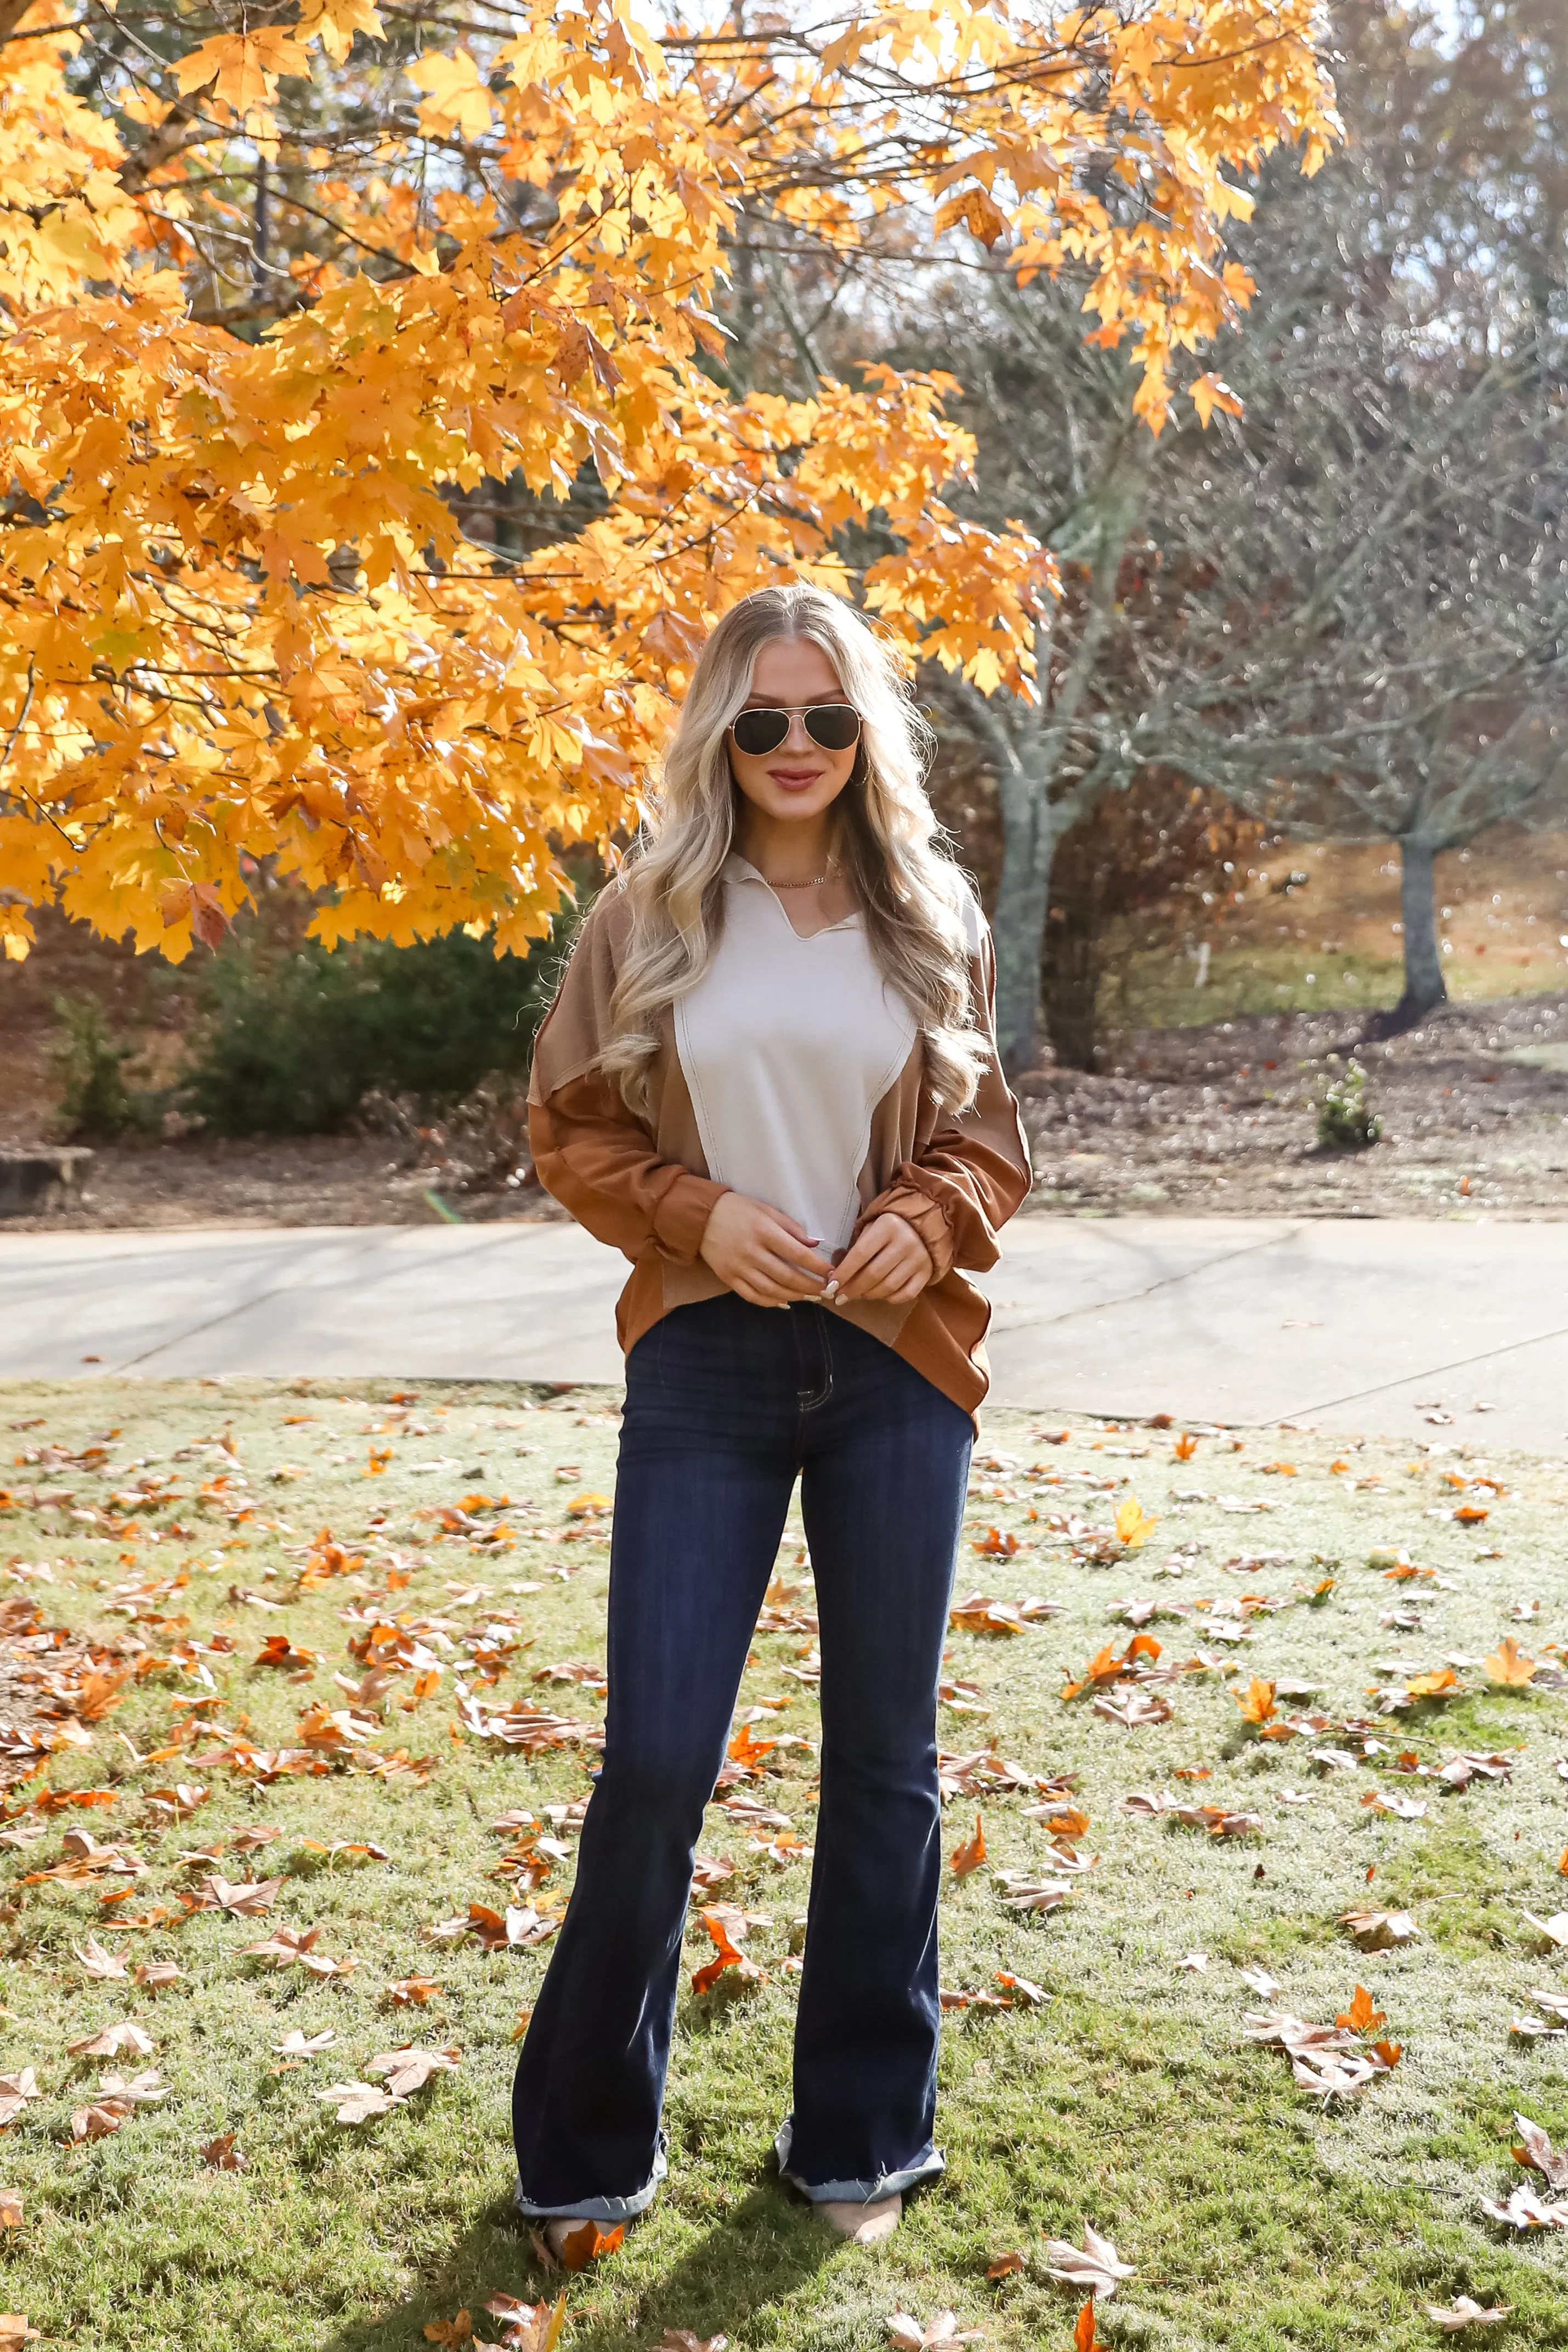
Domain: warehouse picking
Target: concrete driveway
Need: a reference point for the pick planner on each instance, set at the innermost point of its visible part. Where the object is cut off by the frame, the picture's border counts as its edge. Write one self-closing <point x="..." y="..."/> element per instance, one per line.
<point x="1362" y="1325"/>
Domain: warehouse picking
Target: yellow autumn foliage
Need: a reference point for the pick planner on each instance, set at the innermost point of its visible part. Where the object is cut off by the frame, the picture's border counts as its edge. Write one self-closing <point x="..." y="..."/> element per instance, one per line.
<point x="244" y="617"/>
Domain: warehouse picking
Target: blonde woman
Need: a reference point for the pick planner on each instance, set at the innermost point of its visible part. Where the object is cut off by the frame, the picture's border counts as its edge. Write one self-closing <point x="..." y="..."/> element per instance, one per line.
<point x="770" y="1078"/>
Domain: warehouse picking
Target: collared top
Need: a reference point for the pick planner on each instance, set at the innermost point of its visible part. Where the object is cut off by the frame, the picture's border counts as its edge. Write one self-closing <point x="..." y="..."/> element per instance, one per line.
<point x="648" y="1184"/>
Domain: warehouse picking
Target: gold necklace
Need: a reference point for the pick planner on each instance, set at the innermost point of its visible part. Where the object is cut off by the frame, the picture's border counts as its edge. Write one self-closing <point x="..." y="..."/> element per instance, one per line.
<point x="814" y="884"/>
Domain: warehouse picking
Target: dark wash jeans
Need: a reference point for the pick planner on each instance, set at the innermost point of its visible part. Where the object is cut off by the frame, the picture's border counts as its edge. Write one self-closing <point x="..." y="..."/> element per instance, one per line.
<point x="725" y="1402"/>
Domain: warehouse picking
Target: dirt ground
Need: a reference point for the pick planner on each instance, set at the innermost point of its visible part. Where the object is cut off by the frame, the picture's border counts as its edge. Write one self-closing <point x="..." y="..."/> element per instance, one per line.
<point x="1208" y="1105"/>
<point x="1474" y="1106"/>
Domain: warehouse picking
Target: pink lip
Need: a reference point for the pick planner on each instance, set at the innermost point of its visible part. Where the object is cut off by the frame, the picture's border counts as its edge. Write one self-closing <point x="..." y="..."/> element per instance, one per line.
<point x="793" y="780"/>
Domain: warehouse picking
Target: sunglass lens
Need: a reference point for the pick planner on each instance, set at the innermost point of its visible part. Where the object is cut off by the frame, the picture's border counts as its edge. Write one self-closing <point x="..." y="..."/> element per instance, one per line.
<point x="757" y="733"/>
<point x="833" y="725"/>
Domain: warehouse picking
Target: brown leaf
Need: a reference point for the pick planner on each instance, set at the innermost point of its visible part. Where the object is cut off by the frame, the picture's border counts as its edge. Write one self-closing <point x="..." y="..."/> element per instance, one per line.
<point x="1096" y="2266"/>
<point x="112" y="2042"/>
<point x="1380" y="1931"/>
<point x="10" y="2209"/>
<point x="356" y="2103"/>
<point x="15" y="2090"/>
<point x="409" y="2069"/>
<point x="246" y="1900"/>
<point x="151" y="1976"/>
<point x="1004" y="2265"/>
<point x="530" y="2326"/>
<point x="99" y="1962"/>
<point x="1539" y="2155"/>
<point x="222" y="2155"/>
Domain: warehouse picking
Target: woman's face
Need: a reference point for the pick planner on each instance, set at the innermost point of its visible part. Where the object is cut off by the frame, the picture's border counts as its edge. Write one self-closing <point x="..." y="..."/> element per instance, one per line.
<point x="800" y="779"/>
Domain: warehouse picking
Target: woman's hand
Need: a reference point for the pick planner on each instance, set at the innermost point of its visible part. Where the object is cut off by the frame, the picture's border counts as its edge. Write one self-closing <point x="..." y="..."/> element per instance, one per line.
<point x="888" y="1261"/>
<point x="763" y="1255"/>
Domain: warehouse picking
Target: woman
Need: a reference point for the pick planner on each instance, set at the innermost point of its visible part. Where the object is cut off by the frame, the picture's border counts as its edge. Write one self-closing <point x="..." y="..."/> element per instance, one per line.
<point x="770" y="1078"/>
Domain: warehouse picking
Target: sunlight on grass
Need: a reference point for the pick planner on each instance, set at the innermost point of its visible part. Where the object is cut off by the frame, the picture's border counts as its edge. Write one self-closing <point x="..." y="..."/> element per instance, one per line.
<point x="1127" y="2097"/>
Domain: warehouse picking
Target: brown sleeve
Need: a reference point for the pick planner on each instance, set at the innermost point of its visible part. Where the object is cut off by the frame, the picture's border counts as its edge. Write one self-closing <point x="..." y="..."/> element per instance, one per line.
<point x="966" y="1181"/>
<point x="590" y="1151"/>
<point x="598" y="1160"/>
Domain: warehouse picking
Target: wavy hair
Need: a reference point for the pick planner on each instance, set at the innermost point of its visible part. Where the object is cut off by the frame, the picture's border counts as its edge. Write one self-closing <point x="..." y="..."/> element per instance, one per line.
<point x="911" y="895"/>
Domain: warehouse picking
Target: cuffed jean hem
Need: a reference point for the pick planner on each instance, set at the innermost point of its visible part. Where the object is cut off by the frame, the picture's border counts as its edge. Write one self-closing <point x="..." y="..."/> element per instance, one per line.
<point x="856" y="2192"/>
<point x="607" y="2209"/>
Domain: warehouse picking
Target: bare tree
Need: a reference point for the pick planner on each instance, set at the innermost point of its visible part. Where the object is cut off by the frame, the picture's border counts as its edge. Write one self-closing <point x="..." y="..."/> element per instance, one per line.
<point x="1366" y="578"/>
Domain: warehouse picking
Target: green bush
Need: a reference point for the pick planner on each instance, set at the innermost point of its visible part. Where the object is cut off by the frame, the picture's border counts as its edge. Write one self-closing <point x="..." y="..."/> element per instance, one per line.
<point x="87" y="1065"/>
<point x="1346" y="1120"/>
<point x="291" y="1037"/>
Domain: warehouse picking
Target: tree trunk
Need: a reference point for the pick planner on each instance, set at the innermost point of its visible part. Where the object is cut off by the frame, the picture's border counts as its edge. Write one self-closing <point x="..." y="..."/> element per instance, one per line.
<point x="1424" y="988"/>
<point x="1018" y="926"/>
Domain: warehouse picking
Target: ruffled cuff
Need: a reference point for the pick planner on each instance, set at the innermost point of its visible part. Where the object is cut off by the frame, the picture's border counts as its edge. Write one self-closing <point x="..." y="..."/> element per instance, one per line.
<point x="681" y="1215"/>
<point x="923" y="1211"/>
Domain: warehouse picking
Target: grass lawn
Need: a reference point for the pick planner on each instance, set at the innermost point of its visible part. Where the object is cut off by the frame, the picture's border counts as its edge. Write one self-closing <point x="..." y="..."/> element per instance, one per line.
<point x="1259" y="2215"/>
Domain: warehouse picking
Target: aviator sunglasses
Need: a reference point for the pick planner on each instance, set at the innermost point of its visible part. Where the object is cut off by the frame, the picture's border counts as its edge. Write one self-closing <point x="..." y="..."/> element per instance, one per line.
<point x="833" y="726"/>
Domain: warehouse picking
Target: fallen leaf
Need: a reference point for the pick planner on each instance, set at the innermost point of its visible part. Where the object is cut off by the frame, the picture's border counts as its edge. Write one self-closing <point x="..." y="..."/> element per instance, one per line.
<point x="971" y="1854"/>
<point x="1363" y="2016"/>
<point x="1004" y="2265"/>
<point x="1526" y="2210"/>
<point x="907" y="2335"/>
<point x="152" y="1976"/>
<point x="296" y="2045"/>
<point x="682" y="2339"/>
<point x="1197" y="1963"/>
<point x="532" y="2327"/>
<point x="99" y="1962"/>
<point x="1554" y="1929"/>
<point x="1096" y="2266"/>
<point x="413" y="1991"/>
<point x="1261" y="1982"/>
<point x="1539" y="2155"/>
<point x="356" y="2103"/>
<point x="1134" y="1525"/>
<point x="1021" y="1891"/>
<point x="409" y="2069"/>
<point x="581" y="2246"/>
<point x="1507" y="1664"/>
<point x="222" y="2155"/>
<point x="1257" y="1701"/>
<point x="1465" y="2312"/>
<point x="14" y="2330"/>
<point x="15" y="2090"/>
<point x="246" y="1901"/>
<point x="1380" y="1931"/>
<point x="112" y="2042"/>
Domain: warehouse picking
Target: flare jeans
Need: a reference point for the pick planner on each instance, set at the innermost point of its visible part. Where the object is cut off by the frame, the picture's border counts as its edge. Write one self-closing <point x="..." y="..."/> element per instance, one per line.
<point x="726" y="1405"/>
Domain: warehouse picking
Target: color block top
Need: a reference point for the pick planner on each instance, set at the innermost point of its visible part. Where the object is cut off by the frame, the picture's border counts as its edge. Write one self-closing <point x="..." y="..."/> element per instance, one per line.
<point x="822" y="1102"/>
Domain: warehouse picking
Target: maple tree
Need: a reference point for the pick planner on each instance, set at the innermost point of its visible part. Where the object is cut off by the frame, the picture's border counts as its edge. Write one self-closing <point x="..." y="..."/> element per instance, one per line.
<point x="285" y="301"/>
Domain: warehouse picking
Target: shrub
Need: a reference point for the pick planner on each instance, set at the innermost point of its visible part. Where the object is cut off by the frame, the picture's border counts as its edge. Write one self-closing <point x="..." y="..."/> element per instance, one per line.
<point x="291" y="1037"/>
<point x="1347" y="1121"/>
<point x="87" y="1064"/>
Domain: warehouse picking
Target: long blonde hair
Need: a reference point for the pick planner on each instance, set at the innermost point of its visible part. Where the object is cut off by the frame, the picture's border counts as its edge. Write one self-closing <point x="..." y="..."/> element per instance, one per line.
<point x="911" y="894"/>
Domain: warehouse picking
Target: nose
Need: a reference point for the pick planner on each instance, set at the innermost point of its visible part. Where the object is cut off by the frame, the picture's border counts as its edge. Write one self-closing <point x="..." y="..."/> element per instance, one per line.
<point x="797" y="738"/>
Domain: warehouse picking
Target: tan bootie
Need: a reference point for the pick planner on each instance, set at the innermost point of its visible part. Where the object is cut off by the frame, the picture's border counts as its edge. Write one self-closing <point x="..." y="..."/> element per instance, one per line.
<point x="864" y="2225"/>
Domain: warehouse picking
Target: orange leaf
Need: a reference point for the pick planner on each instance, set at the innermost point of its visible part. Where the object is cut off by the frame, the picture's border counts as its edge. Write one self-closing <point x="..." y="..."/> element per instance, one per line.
<point x="1509" y="1665"/>
<point x="1085" y="2337"/>
<point x="971" y="1854"/>
<point x="1257" y="1701"/>
<point x="586" y="2242"/>
<point x="1185" y="1447"/>
<point x="1363" y="2016"/>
